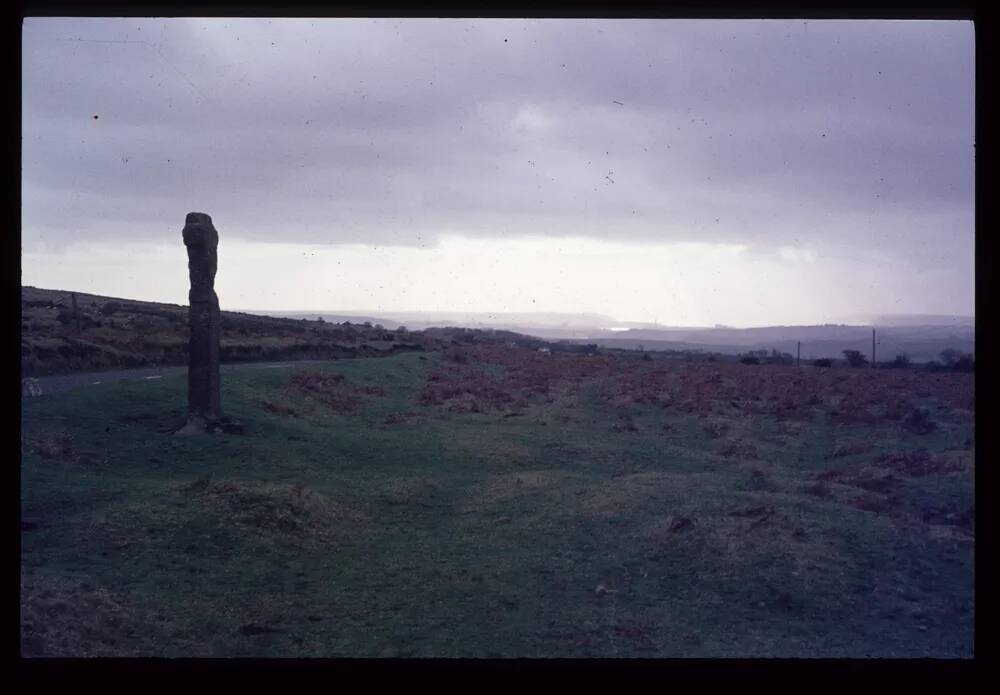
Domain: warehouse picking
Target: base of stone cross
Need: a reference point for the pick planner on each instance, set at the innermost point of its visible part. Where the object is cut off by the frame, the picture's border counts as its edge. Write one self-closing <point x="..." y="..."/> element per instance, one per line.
<point x="198" y="424"/>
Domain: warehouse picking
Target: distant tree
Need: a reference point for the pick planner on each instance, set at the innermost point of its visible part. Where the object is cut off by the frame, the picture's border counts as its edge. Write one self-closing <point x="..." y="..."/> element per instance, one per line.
<point x="855" y="358"/>
<point x="823" y="362"/>
<point x="901" y="362"/>
<point x="949" y="356"/>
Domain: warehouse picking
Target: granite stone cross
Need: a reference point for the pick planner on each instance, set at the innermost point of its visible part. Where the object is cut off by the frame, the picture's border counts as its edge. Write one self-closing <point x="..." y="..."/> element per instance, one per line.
<point x="204" y="405"/>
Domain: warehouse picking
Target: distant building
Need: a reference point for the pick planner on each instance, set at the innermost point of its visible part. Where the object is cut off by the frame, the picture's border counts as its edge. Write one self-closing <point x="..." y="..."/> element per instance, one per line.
<point x="545" y="350"/>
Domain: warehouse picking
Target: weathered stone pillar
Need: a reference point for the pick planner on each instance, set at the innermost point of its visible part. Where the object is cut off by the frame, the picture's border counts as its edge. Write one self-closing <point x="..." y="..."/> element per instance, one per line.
<point x="204" y="405"/>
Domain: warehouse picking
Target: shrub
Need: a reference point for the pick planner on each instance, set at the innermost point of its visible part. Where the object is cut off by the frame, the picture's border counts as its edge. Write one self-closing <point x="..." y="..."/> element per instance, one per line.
<point x="110" y="308"/>
<point x="749" y="359"/>
<point x="965" y="363"/>
<point x="855" y="358"/>
<point x="823" y="362"/>
<point x="919" y="422"/>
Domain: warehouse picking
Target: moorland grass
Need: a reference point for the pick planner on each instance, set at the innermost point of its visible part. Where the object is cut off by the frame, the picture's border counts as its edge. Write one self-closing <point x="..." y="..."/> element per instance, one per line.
<point x="573" y="527"/>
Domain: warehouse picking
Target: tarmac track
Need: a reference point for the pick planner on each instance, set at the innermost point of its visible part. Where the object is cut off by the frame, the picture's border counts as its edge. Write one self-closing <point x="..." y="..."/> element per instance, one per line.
<point x="64" y="382"/>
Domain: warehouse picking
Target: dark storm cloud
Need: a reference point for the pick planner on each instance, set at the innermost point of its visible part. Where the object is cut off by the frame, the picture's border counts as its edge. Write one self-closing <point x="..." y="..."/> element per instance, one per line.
<point x="761" y="133"/>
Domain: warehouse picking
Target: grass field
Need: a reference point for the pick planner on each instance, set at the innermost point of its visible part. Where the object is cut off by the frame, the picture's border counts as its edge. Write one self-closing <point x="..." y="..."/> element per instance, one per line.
<point x="496" y="502"/>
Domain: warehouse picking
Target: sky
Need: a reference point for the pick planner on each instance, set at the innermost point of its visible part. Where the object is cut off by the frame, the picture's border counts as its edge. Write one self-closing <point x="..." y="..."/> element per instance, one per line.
<point x="688" y="172"/>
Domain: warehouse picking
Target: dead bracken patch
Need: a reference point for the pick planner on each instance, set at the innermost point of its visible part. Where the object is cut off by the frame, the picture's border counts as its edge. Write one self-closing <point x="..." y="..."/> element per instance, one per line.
<point x="397" y="418"/>
<point x="508" y="486"/>
<point x="715" y="429"/>
<point x="743" y="450"/>
<point x="625" y="492"/>
<point x="286" y="511"/>
<point x="473" y="382"/>
<point x="875" y="480"/>
<point x="63" y="618"/>
<point x="918" y="463"/>
<point x="51" y="446"/>
<point x="964" y="519"/>
<point x="275" y="408"/>
<point x="851" y="448"/>
<point x="333" y="390"/>
<point x="58" y="446"/>
<point x="637" y="634"/>
<point x="417" y="490"/>
<point x="753" y="512"/>
<point x="624" y="424"/>
<point x="919" y="422"/>
<point x="668" y="529"/>
<point x="818" y="489"/>
<point x="873" y="502"/>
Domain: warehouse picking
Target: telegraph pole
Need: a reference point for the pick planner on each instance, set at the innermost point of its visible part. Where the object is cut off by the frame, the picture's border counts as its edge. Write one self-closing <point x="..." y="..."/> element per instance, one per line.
<point x="798" y="354"/>
<point x="873" y="348"/>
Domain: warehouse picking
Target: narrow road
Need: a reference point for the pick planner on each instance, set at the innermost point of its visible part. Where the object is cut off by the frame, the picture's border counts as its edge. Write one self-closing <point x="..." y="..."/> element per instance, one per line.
<point x="64" y="382"/>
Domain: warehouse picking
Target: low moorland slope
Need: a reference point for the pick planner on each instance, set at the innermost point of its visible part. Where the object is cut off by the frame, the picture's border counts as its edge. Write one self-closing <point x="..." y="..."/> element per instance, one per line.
<point x="490" y="501"/>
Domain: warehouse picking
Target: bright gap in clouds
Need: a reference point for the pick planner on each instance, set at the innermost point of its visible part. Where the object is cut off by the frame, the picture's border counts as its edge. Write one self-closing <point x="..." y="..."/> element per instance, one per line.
<point x="671" y="283"/>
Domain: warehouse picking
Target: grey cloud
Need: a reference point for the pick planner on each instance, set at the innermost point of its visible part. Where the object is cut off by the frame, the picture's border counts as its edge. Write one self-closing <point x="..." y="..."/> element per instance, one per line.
<point x="389" y="131"/>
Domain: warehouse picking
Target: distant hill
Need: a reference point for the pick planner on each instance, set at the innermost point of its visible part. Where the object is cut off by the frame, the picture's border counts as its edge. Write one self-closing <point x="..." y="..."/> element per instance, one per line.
<point x="921" y="320"/>
<point x="359" y="319"/>
<point x="919" y="343"/>
<point x="110" y="332"/>
<point x="522" y="322"/>
<point x="921" y="337"/>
